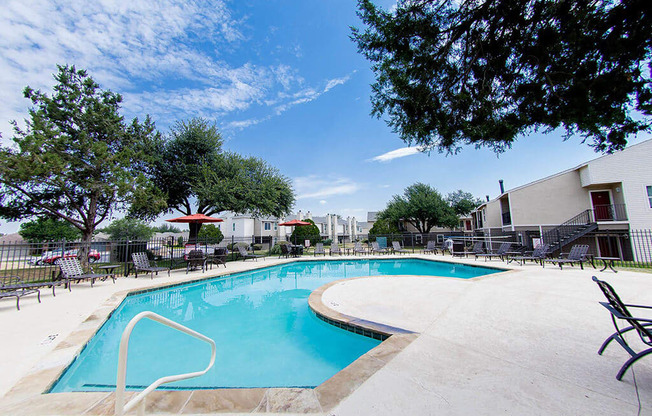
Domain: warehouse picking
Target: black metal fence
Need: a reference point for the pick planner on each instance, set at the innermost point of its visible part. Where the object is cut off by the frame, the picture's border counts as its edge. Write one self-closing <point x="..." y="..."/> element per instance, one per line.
<point x="37" y="261"/>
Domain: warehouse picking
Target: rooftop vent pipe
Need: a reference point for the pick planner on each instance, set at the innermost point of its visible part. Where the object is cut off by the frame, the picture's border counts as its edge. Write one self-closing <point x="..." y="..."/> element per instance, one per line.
<point x="502" y="188"/>
<point x="487" y="198"/>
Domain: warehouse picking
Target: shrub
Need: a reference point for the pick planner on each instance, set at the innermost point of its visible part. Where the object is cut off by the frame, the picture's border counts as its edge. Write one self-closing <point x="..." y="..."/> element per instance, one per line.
<point x="328" y="241"/>
<point x="234" y="246"/>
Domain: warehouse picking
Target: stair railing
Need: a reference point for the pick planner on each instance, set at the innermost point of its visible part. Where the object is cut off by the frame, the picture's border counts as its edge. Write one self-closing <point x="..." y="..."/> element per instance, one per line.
<point x="558" y="233"/>
<point x="120" y="407"/>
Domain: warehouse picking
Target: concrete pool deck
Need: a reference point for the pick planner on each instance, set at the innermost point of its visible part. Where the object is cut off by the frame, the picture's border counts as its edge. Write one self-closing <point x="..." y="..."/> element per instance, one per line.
<point x="521" y="342"/>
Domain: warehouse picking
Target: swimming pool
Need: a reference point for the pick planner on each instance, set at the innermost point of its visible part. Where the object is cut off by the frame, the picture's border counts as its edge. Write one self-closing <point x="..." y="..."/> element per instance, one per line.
<point x="265" y="332"/>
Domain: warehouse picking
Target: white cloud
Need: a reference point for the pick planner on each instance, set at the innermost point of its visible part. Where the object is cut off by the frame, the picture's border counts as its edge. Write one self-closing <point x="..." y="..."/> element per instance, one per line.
<point x="316" y="187"/>
<point x="398" y="153"/>
<point x="322" y="202"/>
<point x="164" y="57"/>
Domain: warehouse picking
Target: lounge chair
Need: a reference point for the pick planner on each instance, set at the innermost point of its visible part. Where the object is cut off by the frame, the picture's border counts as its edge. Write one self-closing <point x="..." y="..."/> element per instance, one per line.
<point x="245" y="255"/>
<point x="396" y="248"/>
<point x="335" y="249"/>
<point x="375" y="248"/>
<point x="620" y="311"/>
<point x="319" y="249"/>
<point x="538" y="255"/>
<point x="195" y="259"/>
<point x="13" y="287"/>
<point x="71" y="269"/>
<point x="477" y="248"/>
<point x="501" y="252"/>
<point x="577" y="254"/>
<point x="141" y="263"/>
<point x="457" y="249"/>
<point x="431" y="247"/>
<point x="357" y="248"/>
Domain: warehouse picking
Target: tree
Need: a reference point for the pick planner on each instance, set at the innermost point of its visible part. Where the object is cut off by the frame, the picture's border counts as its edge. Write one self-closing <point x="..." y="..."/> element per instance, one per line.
<point x="211" y="234"/>
<point x="383" y="227"/>
<point x="486" y="71"/>
<point x="195" y="173"/>
<point x="463" y="202"/>
<point x="167" y="228"/>
<point x="129" y="229"/>
<point x="422" y="207"/>
<point x="76" y="160"/>
<point x="306" y="232"/>
<point x="48" y="229"/>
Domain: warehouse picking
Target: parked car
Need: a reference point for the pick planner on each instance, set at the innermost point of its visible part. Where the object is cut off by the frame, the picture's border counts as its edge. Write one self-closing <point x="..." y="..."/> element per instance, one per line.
<point x="50" y="257"/>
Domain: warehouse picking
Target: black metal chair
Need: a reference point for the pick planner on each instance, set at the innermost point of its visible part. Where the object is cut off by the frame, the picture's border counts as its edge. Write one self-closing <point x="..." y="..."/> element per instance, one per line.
<point x="431" y="247"/>
<point x="502" y="251"/>
<point x="141" y="263"/>
<point x="538" y="255"/>
<point x="620" y="311"/>
<point x="195" y="259"/>
<point x="71" y="269"/>
<point x="285" y="251"/>
<point x="12" y="286"/>
<point x="245" y="255"/>
<point x="577" y="254"/>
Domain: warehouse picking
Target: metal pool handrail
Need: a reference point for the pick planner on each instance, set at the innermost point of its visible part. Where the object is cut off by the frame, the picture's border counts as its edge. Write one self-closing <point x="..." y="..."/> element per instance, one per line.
<point x="120" y="406"/>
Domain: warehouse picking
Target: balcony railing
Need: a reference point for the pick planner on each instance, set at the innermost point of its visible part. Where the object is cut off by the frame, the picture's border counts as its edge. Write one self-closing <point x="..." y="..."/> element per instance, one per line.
<point x="507" y="218"/>
<point x="614" y="212"/>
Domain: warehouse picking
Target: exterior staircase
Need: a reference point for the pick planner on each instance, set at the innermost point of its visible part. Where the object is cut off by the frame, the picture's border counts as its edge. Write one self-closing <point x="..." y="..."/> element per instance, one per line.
<point x="577" y="227"/>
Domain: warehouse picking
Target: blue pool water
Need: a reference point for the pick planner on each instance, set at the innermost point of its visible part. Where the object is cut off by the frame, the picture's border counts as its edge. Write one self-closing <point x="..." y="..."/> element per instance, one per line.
<point x="266" y="334"/>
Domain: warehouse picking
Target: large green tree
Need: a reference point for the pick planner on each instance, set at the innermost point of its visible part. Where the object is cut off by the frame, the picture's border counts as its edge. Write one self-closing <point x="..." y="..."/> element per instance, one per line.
<point x="48" y="229"/>
<point x="306" y="232"/>
<point x="463" y="202"/>
<point x="129" y="229"/>
<point x="384" y="227"/>
<point x="77" y="159"/>
<point x="484" y="72"/>
<point x="422" y="206"/>
<point x="199" y="177"/>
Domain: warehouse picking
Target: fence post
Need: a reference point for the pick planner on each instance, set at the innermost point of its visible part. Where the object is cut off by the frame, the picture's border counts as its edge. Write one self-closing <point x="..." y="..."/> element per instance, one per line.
<point x="412" y="235"/>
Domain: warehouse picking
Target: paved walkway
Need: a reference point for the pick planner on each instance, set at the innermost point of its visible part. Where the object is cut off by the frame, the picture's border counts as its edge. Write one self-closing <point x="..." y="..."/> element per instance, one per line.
<point x="516" y="343"/>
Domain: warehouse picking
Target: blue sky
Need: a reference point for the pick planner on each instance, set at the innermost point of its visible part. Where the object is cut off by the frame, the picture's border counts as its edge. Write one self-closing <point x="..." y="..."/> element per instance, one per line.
<point x="281" y="79"/>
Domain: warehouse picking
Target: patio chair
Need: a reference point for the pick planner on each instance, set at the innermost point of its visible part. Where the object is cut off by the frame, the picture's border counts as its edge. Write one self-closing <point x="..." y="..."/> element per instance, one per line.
<point x="285" y="251"/>
<point x="71" y="269"/>
<point x="245" y="255"/>
<point x="538" y="255"/>
<point x="335" y="249"/>
<point x="218" y="257"/>
<point x="577" y="254"/>
<point x="195" y="259"/>
<point x="13" y="287"/>
<point x="457" y="249"/>
<point x="477" y="248"/>
<point x="319" y="249"/>
<point x="357" y="248"/>
<point x="431" y="247"/>
<point x="141" y="263"/>
<point x="502" y="251"/>
<point x="396" y="248"/>
<point x="375" y="248"/>
<point x="620" y="311"/>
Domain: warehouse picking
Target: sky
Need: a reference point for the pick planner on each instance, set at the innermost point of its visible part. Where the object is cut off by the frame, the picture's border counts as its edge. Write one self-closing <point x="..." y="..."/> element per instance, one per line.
<point x="281" y="79"/>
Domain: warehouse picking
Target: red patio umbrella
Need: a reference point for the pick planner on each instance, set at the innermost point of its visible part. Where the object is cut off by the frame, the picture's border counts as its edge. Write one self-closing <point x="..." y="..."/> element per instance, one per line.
<point x="194" y="222"/>
<point x="295" y="223"/>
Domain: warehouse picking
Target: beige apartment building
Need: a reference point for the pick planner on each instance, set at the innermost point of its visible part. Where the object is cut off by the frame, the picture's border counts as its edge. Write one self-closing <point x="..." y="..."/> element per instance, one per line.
<point x="597" y="203"/>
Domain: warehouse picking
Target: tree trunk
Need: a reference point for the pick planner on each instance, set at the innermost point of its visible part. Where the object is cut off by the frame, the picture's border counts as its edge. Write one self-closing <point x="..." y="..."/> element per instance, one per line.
<point x="85" y="248"/>
<point x="194" y="232"/>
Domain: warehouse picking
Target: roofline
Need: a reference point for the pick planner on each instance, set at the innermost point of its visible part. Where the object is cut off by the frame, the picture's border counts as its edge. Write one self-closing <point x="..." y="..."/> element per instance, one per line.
<point x="563" y="172"/>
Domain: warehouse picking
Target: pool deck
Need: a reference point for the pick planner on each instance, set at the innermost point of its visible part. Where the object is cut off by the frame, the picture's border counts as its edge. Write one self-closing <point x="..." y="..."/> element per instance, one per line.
<point x="520" y="342"/>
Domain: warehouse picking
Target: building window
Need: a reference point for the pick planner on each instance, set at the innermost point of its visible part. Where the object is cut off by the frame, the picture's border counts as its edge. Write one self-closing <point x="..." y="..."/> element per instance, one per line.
<point x="233" y="226"/>
<point x="268" y="226"/>
<point x="275" y="226"/>
<point x="649" y="195"/>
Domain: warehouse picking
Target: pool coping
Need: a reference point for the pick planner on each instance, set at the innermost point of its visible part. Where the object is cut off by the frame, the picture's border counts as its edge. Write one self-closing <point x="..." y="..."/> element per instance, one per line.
<point x="27" y="395"/>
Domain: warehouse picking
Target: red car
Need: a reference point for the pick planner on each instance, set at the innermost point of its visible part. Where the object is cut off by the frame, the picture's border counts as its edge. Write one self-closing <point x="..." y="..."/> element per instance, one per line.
<point x="51" y="257"/>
